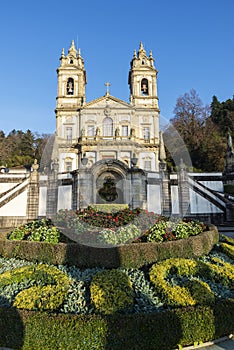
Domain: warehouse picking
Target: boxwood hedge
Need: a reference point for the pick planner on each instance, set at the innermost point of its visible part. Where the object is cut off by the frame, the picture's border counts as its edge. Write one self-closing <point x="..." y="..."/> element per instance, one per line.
<point x="133" y="255"/>
<point x="29" y="330"/>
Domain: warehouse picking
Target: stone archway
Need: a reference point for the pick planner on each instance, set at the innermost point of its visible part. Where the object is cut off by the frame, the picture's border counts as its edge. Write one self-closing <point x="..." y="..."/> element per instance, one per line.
<point x="110" y="182"/>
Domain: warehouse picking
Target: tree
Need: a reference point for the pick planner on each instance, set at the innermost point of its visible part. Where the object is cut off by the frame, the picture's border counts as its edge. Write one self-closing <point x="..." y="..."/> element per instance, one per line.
<point x="222" y="114"/>
<point x="202" y="137"/>
<point x="21" y="148"/>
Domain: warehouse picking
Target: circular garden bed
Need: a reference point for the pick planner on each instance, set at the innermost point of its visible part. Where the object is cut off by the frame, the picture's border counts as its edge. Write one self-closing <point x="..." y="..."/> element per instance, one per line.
<point x="143" y="295"/>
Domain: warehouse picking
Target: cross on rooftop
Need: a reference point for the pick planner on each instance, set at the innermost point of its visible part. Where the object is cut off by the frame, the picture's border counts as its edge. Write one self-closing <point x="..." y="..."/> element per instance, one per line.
<point x="107" y="84"/>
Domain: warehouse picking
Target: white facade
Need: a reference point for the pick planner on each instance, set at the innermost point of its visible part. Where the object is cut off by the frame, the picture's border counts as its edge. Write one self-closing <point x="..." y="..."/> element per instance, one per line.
<point x="107" y="127"/>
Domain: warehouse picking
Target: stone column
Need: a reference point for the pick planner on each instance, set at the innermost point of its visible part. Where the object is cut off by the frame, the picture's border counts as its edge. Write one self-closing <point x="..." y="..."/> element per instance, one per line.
<point x="52" y="192"/>
<point x="183" y="188"/>
<point x="74" y="189"/>
<point x="165" y="190"/>
<point x="33" y="193"/>
<point x="84" y="189"/>
<point x="138" y="193"/>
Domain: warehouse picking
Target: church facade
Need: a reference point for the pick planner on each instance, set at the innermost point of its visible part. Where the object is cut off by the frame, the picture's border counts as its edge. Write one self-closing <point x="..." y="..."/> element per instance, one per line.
<point x="109" y="135"/>
<point x="107" y="127"/>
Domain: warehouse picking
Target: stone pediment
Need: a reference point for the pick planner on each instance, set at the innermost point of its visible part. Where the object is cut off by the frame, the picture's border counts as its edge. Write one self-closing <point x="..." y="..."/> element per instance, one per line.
<point x="106" y="102"/>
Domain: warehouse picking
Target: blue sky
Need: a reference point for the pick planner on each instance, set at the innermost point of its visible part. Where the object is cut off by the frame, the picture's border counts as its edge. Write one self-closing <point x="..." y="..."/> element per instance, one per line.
<point x="192" y="42"/>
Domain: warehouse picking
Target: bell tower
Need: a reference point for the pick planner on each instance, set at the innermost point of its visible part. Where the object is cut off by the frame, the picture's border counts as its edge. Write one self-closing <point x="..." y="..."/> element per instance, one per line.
<point x="71" y="80"/>
<point x="143" y="80"/>
<point x="70" y="99"/>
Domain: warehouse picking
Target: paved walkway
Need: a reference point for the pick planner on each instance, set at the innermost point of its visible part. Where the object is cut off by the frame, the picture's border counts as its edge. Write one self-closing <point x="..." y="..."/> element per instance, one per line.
<point x="220" y="344"/>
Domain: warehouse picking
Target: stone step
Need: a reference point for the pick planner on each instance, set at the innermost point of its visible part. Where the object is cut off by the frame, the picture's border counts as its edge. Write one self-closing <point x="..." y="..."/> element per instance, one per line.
<point x="225" y="228"/>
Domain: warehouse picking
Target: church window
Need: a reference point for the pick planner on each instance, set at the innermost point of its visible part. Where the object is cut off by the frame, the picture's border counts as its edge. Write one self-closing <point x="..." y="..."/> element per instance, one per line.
<point x="71" y="61"/>
<point x="124" y="130"/>
<point x="91" y="130"/>
<point x="146" y="133"/>
<point x="147" y="165"/>
<point x="68" y="135"/>
<point x="68" y="165"/>
<point x="107" y="127"/>
<point x="70" y="86"/>
<point x="144" y="87"/>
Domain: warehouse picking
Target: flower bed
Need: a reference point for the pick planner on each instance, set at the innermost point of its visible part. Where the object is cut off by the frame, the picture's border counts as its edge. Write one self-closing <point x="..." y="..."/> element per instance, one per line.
<point x="125" y="255"/>
<point x="37" y="231"/>
<point x="91" y="218"/>
<point x="174" y="302"/>
<point x="124" y="226"/>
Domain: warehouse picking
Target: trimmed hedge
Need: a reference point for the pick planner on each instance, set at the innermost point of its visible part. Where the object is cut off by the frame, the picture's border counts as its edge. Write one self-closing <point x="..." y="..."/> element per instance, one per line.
<point x="227" y="246"/>
<point x="127" y="255"/>
<point x="193" y="292"/>
<point x="111" y="291"/>
<point x="109" y="208"/>
<point x="27" y="330"/>
<point x="229" y="188"/>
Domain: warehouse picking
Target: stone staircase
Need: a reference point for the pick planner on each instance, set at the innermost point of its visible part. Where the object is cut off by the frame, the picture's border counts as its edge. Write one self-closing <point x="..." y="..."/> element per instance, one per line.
<point x="227" y="228"/>
<point x="12" y="193"/>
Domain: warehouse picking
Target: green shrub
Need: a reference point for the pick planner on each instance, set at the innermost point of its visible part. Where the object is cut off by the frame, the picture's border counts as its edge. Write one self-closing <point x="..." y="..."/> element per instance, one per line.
<point x="227" y="249"/>
<point x="38" y="231"/>
<point x="221" y="271"/>
<point x="111" y="291"/>
<point x="108" y="208"/>
<point x="229" y="188"/>
<point x="192" y="292"/>
<point x="120" y="236"/>
<point x="164" y="230"/>
<point x="39" y="297"/>
<point x="126" y="255"/>
<point x="200" y="291"/>
<point x="227" y="245"/>
<point x="158" y="331"/>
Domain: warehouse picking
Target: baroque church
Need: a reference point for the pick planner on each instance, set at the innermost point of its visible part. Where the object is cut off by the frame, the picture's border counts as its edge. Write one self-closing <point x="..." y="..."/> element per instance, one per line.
<point x="108" y="136"/>
<point x="107" y="127"/>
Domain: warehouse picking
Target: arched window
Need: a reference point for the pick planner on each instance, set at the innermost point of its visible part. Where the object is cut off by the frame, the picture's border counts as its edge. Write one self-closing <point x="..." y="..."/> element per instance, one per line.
<point x="107" y="127"/>
<point x="144" y="87"/>
<point x="70" y="86"/>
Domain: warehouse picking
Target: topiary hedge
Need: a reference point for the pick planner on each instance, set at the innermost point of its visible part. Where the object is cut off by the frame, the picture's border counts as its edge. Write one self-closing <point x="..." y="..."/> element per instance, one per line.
<point x="111" y="291"/>
<point x="227" y="246"/>
<point x="29" y="330"/>
<point x="127" y="255"/>
<point x="38" y="297"/>
<point x="194" y="291"/>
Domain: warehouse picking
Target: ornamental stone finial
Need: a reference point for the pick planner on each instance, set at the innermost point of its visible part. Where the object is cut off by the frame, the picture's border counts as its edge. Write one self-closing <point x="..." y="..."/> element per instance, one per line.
<point x="141" y="46"/>
<point x="72" y="47"/>
<point x="35" y="165"/>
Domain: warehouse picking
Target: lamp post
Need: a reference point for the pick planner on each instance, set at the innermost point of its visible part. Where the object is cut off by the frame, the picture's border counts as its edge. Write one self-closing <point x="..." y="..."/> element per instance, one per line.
<point x="4" y="169"/>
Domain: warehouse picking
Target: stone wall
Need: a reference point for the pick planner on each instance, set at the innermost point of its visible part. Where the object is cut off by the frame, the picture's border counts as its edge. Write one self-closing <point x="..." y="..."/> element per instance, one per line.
<point x="26" y="196"/>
